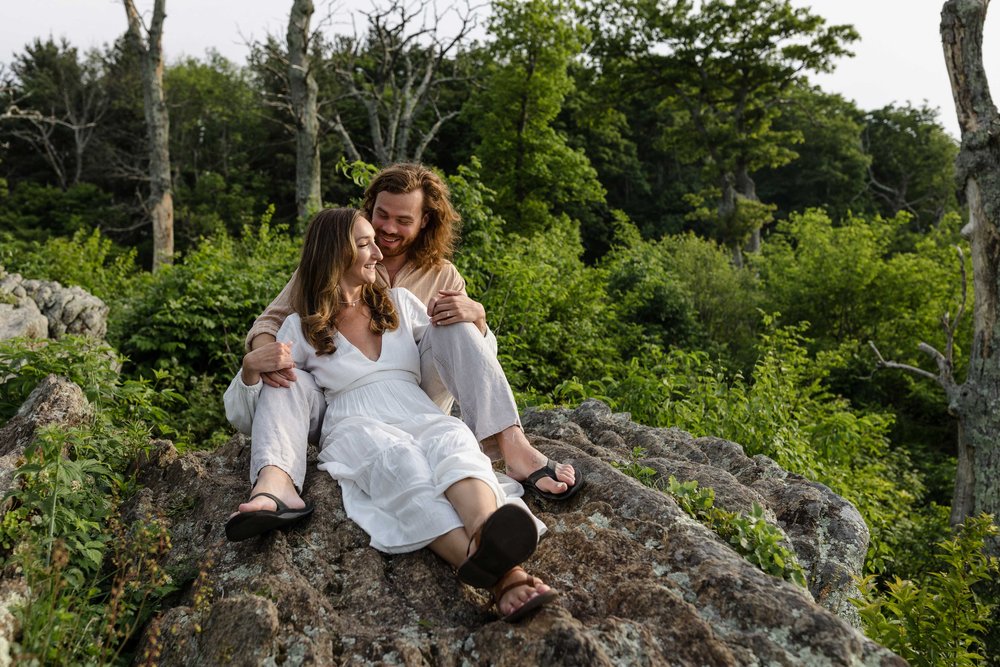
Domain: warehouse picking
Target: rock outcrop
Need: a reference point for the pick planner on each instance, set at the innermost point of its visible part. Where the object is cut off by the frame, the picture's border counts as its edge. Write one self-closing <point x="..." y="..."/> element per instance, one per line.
<point x="54" y="402"/>
<point x="46" y="309"/>
<point x="829" y="536"/>
<point x="641" y="583"/>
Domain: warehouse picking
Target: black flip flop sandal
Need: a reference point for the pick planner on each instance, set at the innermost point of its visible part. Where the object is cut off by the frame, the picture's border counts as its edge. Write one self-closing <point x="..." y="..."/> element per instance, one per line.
<point x="549" y="470"/>
<point x="245" y="525"/>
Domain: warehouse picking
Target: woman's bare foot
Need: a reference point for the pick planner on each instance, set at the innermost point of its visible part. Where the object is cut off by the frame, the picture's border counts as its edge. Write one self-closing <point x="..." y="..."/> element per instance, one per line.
<point x="522" y="459"/>
<point x="517" y="589"/>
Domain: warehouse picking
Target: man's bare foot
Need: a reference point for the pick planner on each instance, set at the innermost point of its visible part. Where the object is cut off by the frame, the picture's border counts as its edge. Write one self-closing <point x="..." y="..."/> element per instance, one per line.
<point x="516" y="589"/>
<point x="275" y="481"/>
<point x="522" y="459"/>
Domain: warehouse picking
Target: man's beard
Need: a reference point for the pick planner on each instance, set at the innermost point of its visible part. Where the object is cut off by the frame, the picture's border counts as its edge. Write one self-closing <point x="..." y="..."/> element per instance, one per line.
<point x="395" y="250"/>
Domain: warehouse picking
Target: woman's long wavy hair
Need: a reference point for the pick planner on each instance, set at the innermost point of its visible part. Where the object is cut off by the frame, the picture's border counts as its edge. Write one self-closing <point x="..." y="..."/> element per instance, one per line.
<point x="329" y="251"/>
<point x="435" y="242"/>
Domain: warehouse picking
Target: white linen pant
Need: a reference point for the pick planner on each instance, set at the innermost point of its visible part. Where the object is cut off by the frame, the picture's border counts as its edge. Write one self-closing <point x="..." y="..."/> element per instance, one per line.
<point x="455" y="363"/>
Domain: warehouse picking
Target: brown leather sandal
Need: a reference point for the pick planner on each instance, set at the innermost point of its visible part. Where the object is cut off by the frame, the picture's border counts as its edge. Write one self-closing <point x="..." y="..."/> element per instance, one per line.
<point x="507" y="537"/>
<point x="531" y="606"/>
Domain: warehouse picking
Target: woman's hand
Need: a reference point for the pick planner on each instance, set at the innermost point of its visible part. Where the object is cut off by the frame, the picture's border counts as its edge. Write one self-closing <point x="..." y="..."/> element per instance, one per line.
<point x="452" y="307"/>
<point x="272" y="363"/>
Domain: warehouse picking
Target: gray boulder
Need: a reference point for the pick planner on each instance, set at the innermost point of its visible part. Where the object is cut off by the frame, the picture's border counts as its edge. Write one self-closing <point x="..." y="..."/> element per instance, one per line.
<point x="46" y="309"/>
<point x="19" y="314"/>
<point x="641" y="583"/>
<point x="827" y="533"/>
<point x="54" y="402"/>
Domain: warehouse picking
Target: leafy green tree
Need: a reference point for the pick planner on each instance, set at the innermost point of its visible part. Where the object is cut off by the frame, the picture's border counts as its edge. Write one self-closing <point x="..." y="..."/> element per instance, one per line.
<point x="912" y="160"/>
<point x="217" y="136"/>
<point x="831" y="170"/>
<point x="532" y="168"/>
<point x="723" y="71"/>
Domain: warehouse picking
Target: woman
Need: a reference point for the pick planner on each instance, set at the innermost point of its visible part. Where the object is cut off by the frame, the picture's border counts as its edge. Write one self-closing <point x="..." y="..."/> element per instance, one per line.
<point x="411" y="476"/>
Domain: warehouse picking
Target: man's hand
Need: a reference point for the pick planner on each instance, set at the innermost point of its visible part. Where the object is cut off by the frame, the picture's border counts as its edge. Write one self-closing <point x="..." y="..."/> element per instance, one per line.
<point x="452" y="307"/>
<point x="270" y="362"/>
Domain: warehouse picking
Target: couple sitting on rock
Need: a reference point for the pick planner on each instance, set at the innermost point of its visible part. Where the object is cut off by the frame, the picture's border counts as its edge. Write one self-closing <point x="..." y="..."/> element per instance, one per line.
<point x="364" y="350"/>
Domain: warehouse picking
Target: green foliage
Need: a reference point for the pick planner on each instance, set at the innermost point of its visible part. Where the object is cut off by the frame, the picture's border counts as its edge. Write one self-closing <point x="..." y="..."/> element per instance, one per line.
<point x="940" y="619"/>
<point x="722" y="71"/>
<point x="733" y="224"/>
<point x="195" y="314"/>
<point x="532" y="168"/>
<point x="191" y="319"/>
<point x="912" y="166"/>
<point x="91" y="621"/>
<point x="683" y="291"/>
<point x="91" y="582"/>
<point x="649" y="294"/>
<point x="750" y="535"/>
<point x="785" y="413"/>
<point x="122" y="403"/>
<point x="33" y="211"/>
<point x="89" y="260"/>
<point x="550" y="312"/>
<point x="832" y="168"/>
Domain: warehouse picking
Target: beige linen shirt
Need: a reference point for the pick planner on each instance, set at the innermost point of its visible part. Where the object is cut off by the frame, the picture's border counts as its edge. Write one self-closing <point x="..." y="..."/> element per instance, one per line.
<point x="425" y="282"/>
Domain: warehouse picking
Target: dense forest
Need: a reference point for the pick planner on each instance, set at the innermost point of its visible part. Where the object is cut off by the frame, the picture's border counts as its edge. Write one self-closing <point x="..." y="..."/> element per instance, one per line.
<point x="660" y="210"/>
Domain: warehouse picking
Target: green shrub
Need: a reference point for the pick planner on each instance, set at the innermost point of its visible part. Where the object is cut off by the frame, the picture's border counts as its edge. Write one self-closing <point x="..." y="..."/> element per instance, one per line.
<point x="939" y="619"/>
<point x="549" y="310"/>
<point x="91" y="580"/>
<point x="86" y="259"/>
<point x="785" y="413"/>
<point x="192" y="317"/>
<point x="190" y="320"/>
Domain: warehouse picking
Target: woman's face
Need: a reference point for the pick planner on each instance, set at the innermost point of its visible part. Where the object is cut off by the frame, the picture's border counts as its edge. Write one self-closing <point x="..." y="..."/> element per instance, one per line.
<point x="362" y="271"/>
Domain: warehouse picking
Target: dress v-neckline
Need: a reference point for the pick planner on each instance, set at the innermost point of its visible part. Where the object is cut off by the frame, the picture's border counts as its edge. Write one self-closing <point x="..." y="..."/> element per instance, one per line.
<point x="381" y="347"/>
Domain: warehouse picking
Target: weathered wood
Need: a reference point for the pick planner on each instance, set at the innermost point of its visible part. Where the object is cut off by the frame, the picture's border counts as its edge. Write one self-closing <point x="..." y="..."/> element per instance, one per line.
<point x="976" y="404"/>
<point x="161" y="202"/>
<point x="304" y="93"/>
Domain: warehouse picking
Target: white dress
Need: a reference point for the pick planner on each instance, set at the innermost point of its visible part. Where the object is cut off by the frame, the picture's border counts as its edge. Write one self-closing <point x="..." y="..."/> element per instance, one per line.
<point x="388" y="445"/>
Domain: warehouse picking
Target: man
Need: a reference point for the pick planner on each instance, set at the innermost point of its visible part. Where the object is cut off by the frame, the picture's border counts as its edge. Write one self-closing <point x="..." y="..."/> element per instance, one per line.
<point x="414" y="222"/>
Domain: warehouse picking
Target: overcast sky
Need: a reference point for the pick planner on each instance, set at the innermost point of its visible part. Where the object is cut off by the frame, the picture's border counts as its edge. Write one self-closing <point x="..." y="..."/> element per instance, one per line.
<point x="898" y="60"/>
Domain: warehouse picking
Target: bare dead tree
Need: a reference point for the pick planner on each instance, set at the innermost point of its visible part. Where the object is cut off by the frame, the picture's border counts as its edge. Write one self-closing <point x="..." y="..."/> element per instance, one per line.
<point x="961" y="505"/>
<point x="83" y="104"/>
<point x="396" y="73"/>
<point x="976" y="401"/>
<point x="149" y="44"/>
<point x="304" y="94"/>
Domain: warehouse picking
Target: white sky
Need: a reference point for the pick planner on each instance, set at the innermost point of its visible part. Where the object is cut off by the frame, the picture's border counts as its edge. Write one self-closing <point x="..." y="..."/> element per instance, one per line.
<point x="899" y="58"/>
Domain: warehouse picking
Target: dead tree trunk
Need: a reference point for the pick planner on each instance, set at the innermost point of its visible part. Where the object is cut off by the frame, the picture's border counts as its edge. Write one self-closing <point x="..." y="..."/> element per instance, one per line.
<point x="977" y="403"/>
<point x="397" y="73"/>
<point x="161" y="201"/>
<point x="304" y="94"/>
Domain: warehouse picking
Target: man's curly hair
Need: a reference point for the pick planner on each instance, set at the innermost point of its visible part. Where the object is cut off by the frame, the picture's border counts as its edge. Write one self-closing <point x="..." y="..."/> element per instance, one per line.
<point x="436" y="241"/>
